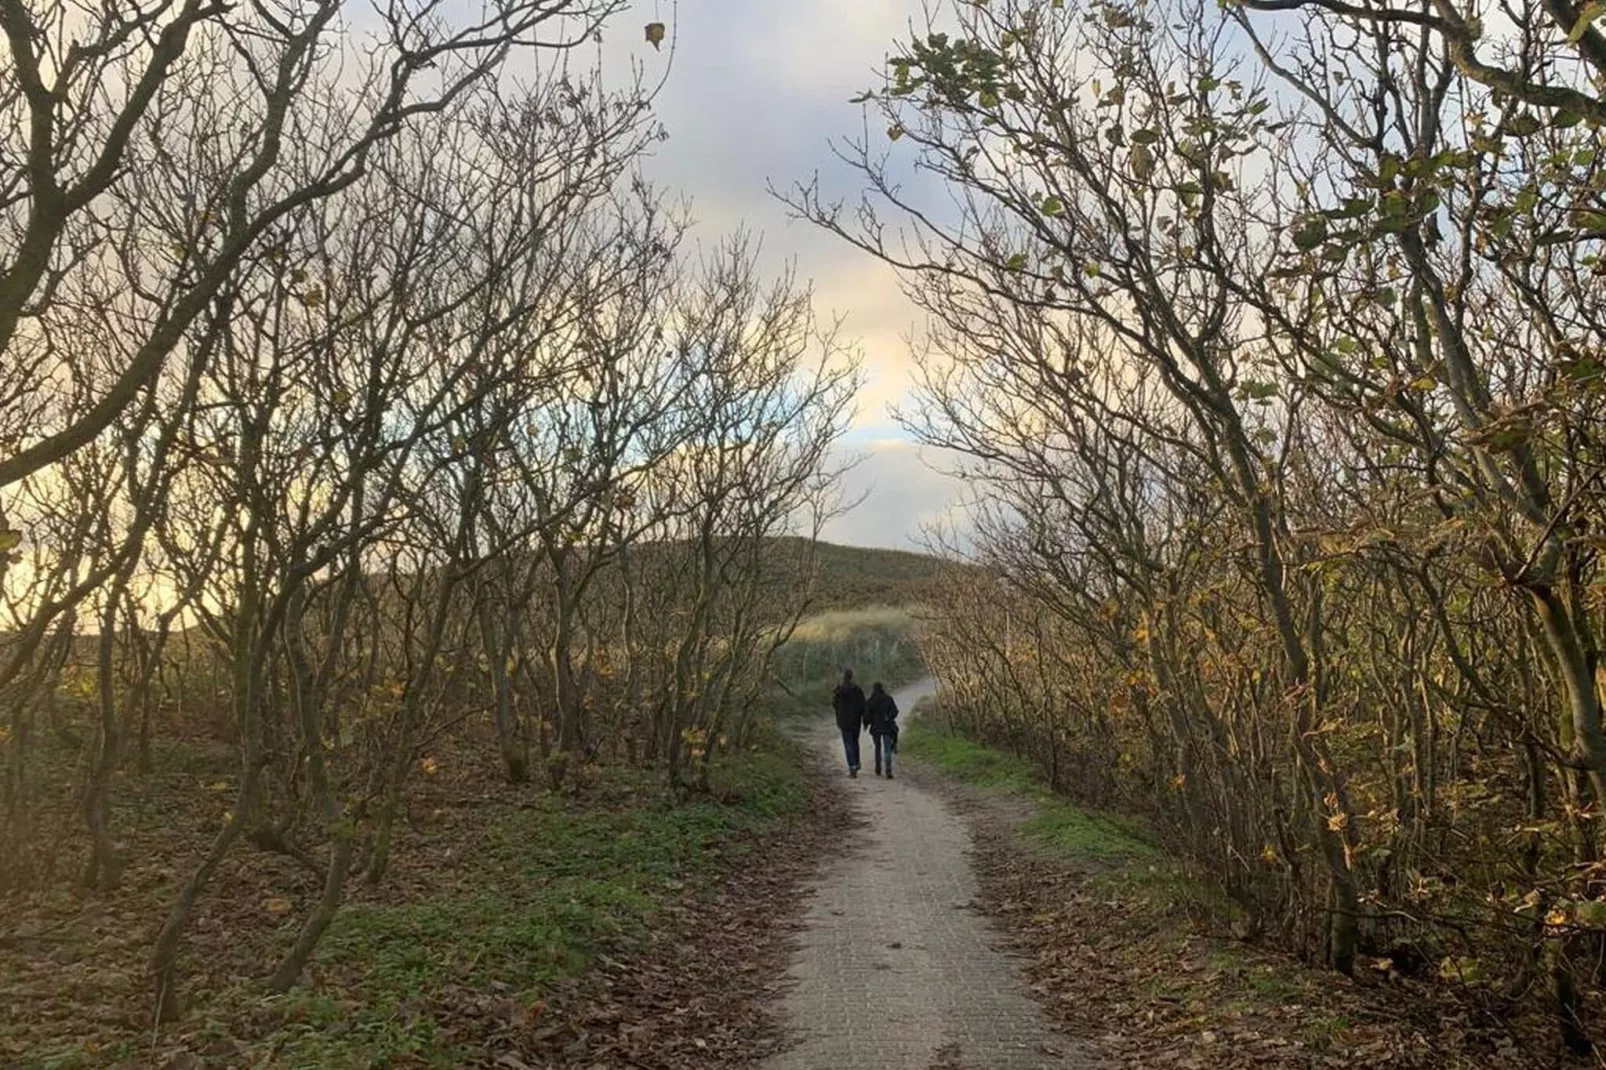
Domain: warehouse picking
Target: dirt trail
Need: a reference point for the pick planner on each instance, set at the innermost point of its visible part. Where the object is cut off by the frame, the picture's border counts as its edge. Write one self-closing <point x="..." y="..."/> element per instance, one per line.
<point x="896" y="969"/>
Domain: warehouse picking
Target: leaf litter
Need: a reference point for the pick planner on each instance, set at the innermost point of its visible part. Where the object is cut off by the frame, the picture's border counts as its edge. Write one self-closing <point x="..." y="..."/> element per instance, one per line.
<point x="703" y="992"/>
<point x="1142" y="981"/>
<point x="694" y="988"/>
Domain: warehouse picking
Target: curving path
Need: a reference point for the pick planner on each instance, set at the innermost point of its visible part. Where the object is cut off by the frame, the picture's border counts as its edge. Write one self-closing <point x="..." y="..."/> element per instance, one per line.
<point x="895" y="970"/>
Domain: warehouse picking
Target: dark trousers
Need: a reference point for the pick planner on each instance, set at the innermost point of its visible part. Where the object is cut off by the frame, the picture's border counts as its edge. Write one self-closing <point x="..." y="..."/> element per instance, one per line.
<point x="883" y="752"/>
<point x="850" y="746"/>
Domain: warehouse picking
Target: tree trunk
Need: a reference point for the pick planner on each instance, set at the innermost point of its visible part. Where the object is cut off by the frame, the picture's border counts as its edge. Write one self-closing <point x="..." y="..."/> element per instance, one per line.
<point x="317" y="922"/>
<point x="164" y="955"/>
<point x="412" y="715"/>
<point x="105" y="867"/>
<point x="566" y="693"/>
<point x="1578" y="684"/>
<point x="498" y="649"/>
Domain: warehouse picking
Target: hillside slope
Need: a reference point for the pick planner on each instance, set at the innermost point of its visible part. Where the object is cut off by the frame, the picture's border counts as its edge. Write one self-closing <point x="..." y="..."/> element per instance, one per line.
<point x="853" y="577"/>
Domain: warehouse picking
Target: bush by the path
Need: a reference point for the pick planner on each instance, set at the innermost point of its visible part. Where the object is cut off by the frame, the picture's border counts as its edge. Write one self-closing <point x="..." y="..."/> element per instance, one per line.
<point x="1144" y="960"/>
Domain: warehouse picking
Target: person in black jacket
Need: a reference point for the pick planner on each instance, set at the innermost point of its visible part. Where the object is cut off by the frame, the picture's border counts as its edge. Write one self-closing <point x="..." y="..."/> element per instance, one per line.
<point x="882" y="714"/>
<point x="848" y="702"/>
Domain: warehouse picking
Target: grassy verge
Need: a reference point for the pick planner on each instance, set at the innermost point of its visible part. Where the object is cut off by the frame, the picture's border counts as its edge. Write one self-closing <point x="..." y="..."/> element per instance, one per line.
<point x="1057" y="825"/>
<point x="555" y="886"/>
<point x="1115" y="855"/>
<point x="512" y="896"/>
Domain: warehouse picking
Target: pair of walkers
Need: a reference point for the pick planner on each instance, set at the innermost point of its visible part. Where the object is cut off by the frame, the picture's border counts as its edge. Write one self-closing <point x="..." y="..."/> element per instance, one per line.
<point x="878" y="713"/>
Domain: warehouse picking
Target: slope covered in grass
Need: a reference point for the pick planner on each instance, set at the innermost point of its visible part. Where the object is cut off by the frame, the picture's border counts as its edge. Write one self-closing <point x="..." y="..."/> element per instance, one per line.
<point x="853" y="577"/>
<point x="877" y="643"/>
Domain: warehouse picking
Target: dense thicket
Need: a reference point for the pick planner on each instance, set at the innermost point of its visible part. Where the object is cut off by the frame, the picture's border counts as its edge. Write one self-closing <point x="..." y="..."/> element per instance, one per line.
<point x="1272" y="334"/>
<point x="358" y="390"/>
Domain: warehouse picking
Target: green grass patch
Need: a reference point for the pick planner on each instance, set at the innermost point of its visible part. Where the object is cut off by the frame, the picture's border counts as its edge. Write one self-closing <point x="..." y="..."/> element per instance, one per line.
<point x="1326" y="1033"/>
<point x="971" y="762"/>
<point x="1262" y="979"/>
<point x="1060" y="826"/>
<point x="1124" y="860"/>
<point x="543" y="891"/>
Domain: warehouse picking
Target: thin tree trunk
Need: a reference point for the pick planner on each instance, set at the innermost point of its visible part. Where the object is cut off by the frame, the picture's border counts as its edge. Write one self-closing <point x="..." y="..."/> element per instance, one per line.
<point x="317" y="922"/>
<point x="105" y="867"/>
<point x="164" y="955"/>
<point x="412" y="714"/>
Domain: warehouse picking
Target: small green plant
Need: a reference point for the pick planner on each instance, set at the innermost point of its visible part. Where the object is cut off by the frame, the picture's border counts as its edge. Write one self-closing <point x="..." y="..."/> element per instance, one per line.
<point x="1326" y="1033"/>
<point x="1260" y="978"/>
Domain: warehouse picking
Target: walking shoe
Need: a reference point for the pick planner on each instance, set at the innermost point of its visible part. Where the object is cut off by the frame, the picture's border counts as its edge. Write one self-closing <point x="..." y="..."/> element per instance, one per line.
<point x="853" y="773"/>
<point x="889" y="774"/>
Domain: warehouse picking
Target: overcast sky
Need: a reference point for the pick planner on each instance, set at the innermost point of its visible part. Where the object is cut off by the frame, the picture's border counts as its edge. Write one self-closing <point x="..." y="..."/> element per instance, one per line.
<point x="757" y="91"/>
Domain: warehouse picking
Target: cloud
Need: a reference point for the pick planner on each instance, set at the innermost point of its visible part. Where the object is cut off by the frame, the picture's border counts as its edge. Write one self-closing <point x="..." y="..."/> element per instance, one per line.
<point x="900" y="491"/>
<point x="758" y="91"/>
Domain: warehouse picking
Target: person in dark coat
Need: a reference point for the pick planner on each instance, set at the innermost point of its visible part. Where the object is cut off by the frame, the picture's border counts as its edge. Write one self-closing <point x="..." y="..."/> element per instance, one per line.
<point x="848" y="702"/>
<point x="882" y="714"/>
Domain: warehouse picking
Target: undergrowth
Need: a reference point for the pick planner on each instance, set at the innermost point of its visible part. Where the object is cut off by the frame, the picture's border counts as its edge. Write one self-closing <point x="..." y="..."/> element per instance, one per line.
<point x="536" y="888"/>
<point x="552" y="887"/>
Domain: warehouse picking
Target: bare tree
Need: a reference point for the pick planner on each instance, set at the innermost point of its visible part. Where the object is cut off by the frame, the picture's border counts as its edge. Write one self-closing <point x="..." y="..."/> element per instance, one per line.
<point x="1270" y="340"/>
<point x="78" y="148"/>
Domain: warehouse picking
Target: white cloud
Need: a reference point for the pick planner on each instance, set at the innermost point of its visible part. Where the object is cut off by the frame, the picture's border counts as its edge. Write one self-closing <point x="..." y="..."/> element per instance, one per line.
<point x="758" y="90"/>
<point x="902" y="493"/>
